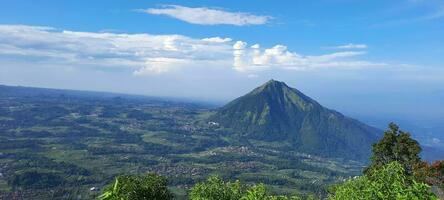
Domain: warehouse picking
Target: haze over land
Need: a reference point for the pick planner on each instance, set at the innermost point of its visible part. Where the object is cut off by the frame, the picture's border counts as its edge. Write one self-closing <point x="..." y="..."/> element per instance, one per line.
<point x="291" y="94"/>
<point x="366" y="59"/>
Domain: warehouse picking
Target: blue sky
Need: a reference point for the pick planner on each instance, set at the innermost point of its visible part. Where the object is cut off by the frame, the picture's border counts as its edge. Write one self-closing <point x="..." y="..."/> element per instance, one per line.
<point x="369" y="58"/>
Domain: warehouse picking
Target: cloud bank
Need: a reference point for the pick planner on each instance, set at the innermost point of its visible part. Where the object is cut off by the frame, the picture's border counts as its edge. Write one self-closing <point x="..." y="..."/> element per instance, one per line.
<point x="145" y="54"/>
<point x="207" y="16"/>
<point x="142" y="53"/>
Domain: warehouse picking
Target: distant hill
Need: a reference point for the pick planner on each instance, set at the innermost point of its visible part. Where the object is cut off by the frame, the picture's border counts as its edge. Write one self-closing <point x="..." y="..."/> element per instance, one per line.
<point x="36" y="92"/>
<point x="431" y="154"/>
<point x="276" y="112"/>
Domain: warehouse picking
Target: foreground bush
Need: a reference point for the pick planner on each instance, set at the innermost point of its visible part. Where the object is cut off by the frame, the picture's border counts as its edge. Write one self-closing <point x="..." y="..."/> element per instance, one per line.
<point x="217" y="189"/>
<point x="129" y="187"/>
<point x="387" y="183"/>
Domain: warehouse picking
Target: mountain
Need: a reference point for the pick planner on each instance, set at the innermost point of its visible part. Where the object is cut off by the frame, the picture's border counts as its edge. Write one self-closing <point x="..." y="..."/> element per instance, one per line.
<point x="274" y="112"/>
<point x="50" y="139"/>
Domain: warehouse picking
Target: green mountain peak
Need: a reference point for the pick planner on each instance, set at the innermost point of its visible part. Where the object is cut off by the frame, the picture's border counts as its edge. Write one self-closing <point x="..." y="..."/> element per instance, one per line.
<point x="276" y="112"/>
<point x="273" y="84"/>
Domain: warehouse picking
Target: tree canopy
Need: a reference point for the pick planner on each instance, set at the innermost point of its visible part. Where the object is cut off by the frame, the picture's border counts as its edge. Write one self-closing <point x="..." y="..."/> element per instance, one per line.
<point x="396" y="172"/>
<point x="396" y="145"/>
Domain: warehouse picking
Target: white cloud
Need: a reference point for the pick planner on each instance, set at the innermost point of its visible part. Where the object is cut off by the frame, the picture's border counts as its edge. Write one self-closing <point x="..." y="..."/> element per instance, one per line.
<point x="207" y="16"/>
<point x="436" y="140"/>
<point x="349" y="46"/>
<point x="255" y="46"/>
<point x="238" y="56"/>
<point x="217" y="39"/>
<point x="145" y="54"/>
<point x="352" y="46"/>
<point x="159" y="66"/>
<point x="279" y="57"/>
<point x="239" y="45"/>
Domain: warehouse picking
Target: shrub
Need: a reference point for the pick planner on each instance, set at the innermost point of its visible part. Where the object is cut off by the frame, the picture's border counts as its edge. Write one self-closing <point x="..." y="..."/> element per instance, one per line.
<point x="217" y="189"/>
<point x="386" y="183"/>
<point x="130" y="187"/>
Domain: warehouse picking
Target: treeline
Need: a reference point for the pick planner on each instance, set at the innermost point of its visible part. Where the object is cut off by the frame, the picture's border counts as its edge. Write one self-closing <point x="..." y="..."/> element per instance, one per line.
<point x="396" y="172"/>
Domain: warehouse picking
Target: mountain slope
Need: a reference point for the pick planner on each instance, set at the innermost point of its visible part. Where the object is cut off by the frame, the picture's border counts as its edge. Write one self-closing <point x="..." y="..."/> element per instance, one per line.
<point x="276" y="112"/>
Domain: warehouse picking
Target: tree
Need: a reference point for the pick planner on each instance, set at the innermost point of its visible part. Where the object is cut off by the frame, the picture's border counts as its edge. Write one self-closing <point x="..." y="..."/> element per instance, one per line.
<point x="396" y="145"/>
<point x="389" y="182"/>
<point x="130" y="187"/>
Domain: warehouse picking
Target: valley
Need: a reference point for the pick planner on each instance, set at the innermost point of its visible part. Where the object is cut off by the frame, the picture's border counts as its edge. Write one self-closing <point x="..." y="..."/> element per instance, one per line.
<point x="69" y="144"/>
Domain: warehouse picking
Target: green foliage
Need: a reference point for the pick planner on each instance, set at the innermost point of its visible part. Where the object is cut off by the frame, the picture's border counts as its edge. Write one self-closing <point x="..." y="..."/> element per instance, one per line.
<point x="257" y="192"/>
<point x="35" y="179"/>
<point x="390" y="182"/>
<point x="147" y="187"/>
<point x="215" y="188"/>
<point x="396" y="145"/>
